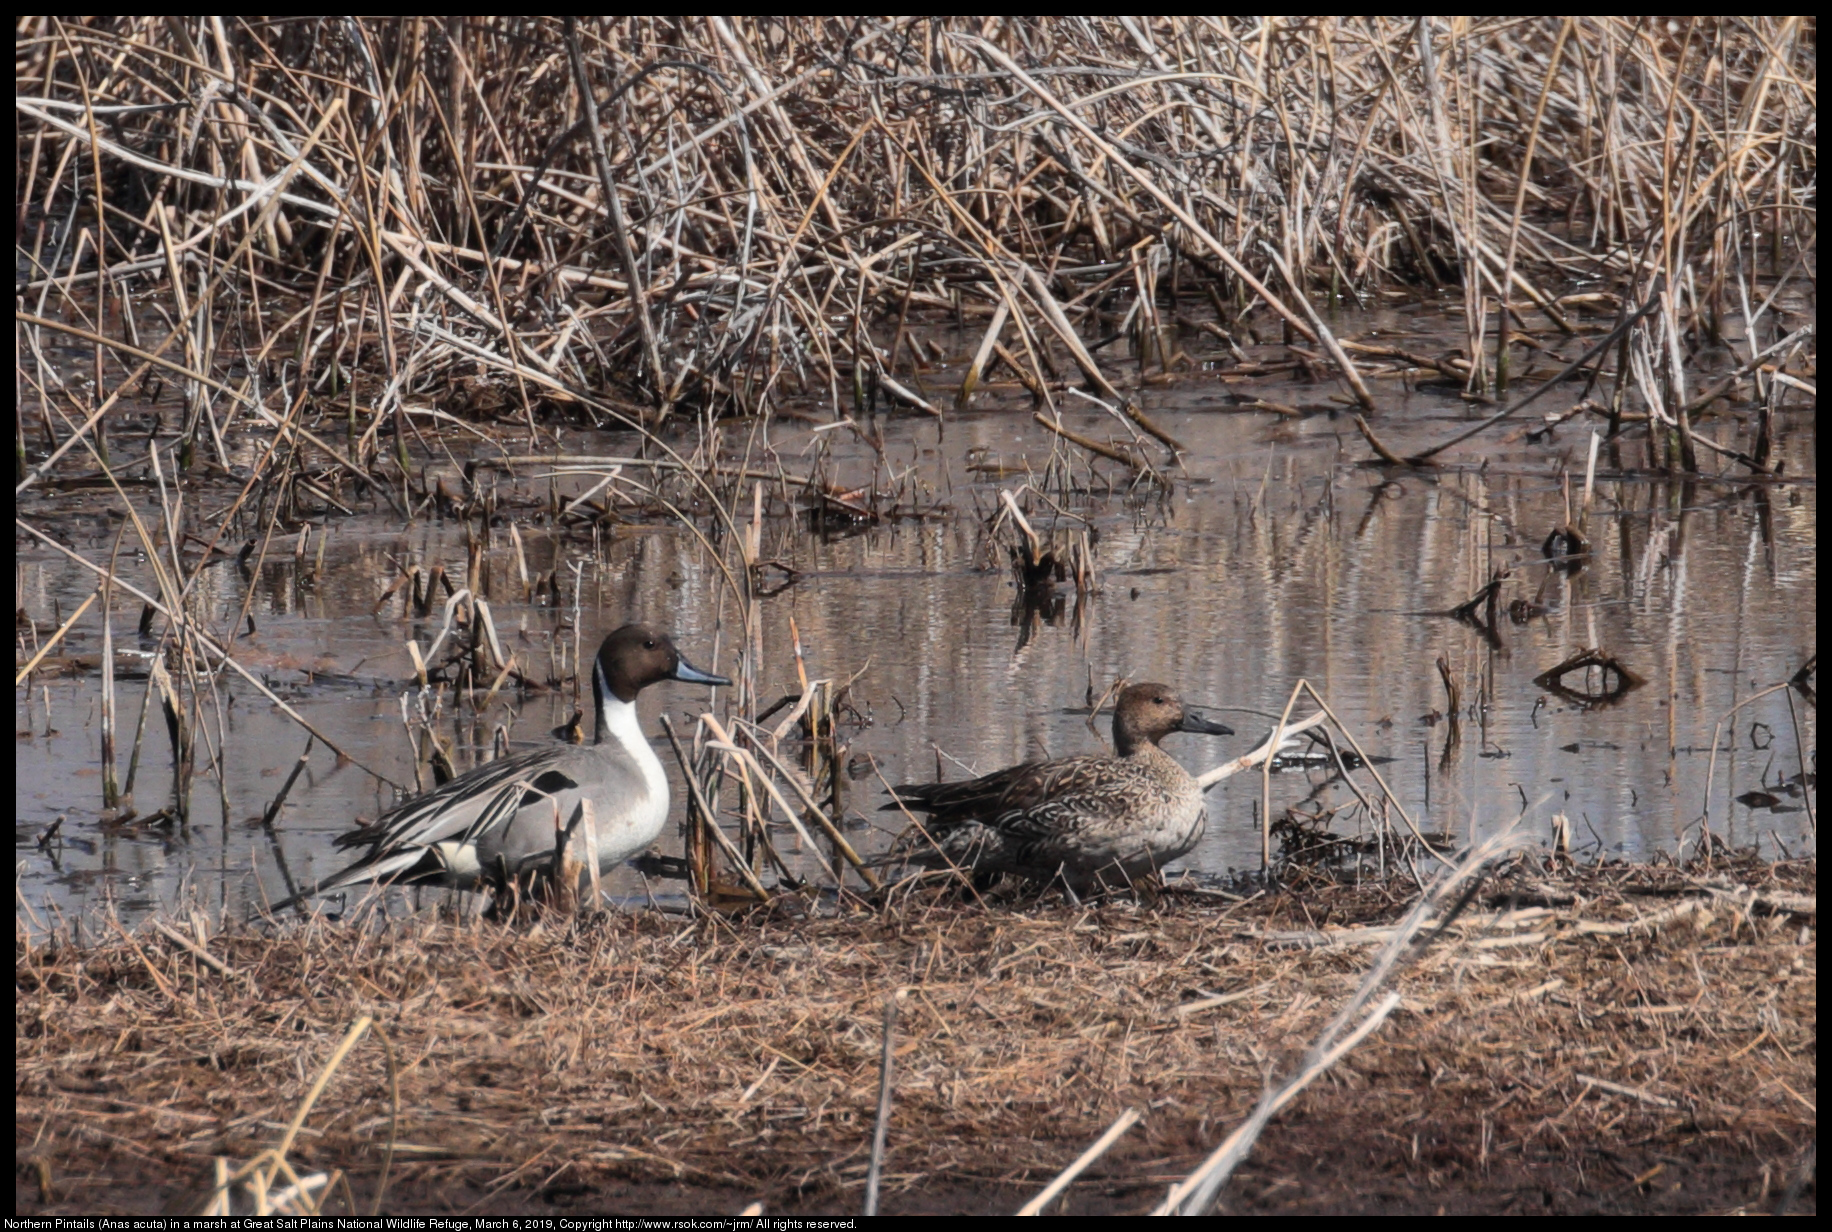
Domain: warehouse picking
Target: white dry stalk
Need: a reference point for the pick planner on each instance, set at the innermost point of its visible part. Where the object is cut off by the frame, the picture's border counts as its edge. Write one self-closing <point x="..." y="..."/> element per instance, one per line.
<point x="1197" y="1193"/>
<point x="1115" y="1131"/>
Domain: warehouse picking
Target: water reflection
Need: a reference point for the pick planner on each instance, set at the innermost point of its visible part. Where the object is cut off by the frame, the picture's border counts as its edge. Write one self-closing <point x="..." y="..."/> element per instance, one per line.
<point x="1275" y="557"/>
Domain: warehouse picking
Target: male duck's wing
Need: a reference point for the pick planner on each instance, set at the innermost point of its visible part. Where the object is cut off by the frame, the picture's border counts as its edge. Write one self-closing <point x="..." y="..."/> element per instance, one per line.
<point x="606" y="775"/>
<point x="414" y="840"/>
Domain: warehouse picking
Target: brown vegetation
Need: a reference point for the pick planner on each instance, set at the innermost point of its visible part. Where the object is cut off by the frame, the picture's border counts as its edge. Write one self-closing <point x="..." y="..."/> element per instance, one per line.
<point x="305" y="263"/>
<point x="437" y="204"/>
<point x="1626" y="1039"/>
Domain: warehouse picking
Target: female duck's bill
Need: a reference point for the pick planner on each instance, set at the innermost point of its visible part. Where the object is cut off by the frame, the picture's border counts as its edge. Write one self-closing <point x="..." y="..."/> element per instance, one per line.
<point x="487" y="827"/>
<point x="1088" y="821"/>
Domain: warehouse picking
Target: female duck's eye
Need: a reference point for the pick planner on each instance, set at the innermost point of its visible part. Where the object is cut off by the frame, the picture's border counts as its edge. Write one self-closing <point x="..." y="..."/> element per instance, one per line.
<point x="648" y="645"/>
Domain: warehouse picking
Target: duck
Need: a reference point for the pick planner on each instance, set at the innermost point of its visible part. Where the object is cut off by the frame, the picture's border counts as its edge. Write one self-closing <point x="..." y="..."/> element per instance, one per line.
<point x="486" y="827"/>
<point x="1090" y="821"/>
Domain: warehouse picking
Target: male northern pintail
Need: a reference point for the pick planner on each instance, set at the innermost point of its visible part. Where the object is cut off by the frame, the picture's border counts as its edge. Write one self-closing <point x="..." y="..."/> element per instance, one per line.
<point x="494" y="822"/>
<point x="1089" y="820"/>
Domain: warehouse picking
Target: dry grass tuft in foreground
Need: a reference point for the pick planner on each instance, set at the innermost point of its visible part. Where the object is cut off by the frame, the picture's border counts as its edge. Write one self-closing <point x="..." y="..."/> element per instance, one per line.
<point x="1624" y="1039"/>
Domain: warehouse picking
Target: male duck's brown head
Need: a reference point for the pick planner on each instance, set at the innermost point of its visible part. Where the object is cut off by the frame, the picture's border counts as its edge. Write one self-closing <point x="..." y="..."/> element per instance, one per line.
<point x="635" y="657"/>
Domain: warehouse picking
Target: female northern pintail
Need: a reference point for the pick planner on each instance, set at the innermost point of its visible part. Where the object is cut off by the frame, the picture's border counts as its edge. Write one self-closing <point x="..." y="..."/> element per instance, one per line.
<point x="1089" y="820"/>
<point x="494" y="822"/>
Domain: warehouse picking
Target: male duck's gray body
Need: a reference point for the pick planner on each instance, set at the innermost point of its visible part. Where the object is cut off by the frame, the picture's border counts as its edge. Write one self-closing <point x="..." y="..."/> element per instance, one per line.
<point x="498" y="820"/>
<point x="1089" y="820"/>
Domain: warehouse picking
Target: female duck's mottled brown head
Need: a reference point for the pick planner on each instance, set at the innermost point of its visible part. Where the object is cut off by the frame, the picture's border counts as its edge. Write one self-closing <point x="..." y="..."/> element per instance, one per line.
<point x="1146" y="713"/>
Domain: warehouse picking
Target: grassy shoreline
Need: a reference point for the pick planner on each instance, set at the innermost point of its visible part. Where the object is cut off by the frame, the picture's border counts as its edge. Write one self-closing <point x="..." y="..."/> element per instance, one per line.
<point x="1568" y="1027"/>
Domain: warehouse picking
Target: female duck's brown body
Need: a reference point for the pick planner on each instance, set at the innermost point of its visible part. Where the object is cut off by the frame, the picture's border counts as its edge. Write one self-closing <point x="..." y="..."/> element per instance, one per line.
<point x="1088" y="820"/>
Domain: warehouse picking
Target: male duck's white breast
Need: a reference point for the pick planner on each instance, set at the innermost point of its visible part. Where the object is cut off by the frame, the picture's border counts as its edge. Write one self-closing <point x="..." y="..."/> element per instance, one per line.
<point x="632" y="810"/>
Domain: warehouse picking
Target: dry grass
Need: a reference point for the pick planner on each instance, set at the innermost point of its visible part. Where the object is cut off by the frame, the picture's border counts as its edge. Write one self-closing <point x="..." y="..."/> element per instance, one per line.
<point x="1642" y="1013"/>
<point x="301" y="257"/>
<point x="465" y="204"/>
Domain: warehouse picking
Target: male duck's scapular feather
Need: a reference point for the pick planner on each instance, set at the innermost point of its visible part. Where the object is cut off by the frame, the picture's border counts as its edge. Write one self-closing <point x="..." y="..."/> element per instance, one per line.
<point x="491" y="824"/>
<point x="1085" y="819"/>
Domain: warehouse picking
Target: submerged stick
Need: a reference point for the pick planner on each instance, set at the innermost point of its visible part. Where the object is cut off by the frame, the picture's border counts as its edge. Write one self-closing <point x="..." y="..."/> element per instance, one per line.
<point x="1610" y="339"/>
<point x="1091" y="446"/>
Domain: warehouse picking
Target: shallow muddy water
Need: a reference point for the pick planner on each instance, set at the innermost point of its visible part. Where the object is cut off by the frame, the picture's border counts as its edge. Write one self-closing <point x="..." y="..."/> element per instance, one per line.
<point x="1277" y="555"/>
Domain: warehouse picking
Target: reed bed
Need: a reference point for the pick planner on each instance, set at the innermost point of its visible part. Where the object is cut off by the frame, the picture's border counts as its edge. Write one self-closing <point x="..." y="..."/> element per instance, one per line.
<point x="1598" y="1038"/>
<point x="322" y="264"/>
<point x="398" y="208"/>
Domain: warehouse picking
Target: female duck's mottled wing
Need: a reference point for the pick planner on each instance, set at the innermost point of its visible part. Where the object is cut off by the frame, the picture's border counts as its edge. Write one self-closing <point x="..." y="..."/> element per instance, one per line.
<point x="1062" y="830"/>
<point x="1020" y="787"/>
<point x="1029" y="818"/>
<point x="1086" y="820"/>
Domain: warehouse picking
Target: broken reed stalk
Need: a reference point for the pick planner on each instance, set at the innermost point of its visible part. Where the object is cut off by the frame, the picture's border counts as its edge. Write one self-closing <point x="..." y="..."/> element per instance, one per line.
<point x="1619" y="333"/>
<point x="50" y="643"/>
<point x="1083" y="1162"/>
<point x="1197" y="1193"/>
<point x="1263" y="755"/>
<point x="204" y="639"/>
<point x="709" y="820"/>
<point x="722" y="742"/>
<point x="1267" y="749"/>
<point x="886" y="1083"/>
<point x="260" y="1174"/>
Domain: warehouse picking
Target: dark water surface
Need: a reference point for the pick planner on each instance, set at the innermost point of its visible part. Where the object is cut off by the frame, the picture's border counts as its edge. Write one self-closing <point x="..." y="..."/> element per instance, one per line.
<point x="1278" y="555"/>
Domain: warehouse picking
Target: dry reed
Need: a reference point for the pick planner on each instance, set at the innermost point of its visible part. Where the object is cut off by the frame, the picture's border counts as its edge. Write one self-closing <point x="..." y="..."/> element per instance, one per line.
<point x="442" y="212"/>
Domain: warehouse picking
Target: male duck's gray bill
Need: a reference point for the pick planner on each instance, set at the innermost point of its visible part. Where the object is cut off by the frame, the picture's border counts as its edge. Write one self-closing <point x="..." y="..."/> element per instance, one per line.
<point x="689" y="674"/>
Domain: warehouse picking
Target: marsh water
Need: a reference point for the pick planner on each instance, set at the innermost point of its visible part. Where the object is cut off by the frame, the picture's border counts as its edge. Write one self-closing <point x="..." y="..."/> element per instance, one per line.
<point x="1277" y="554"/>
